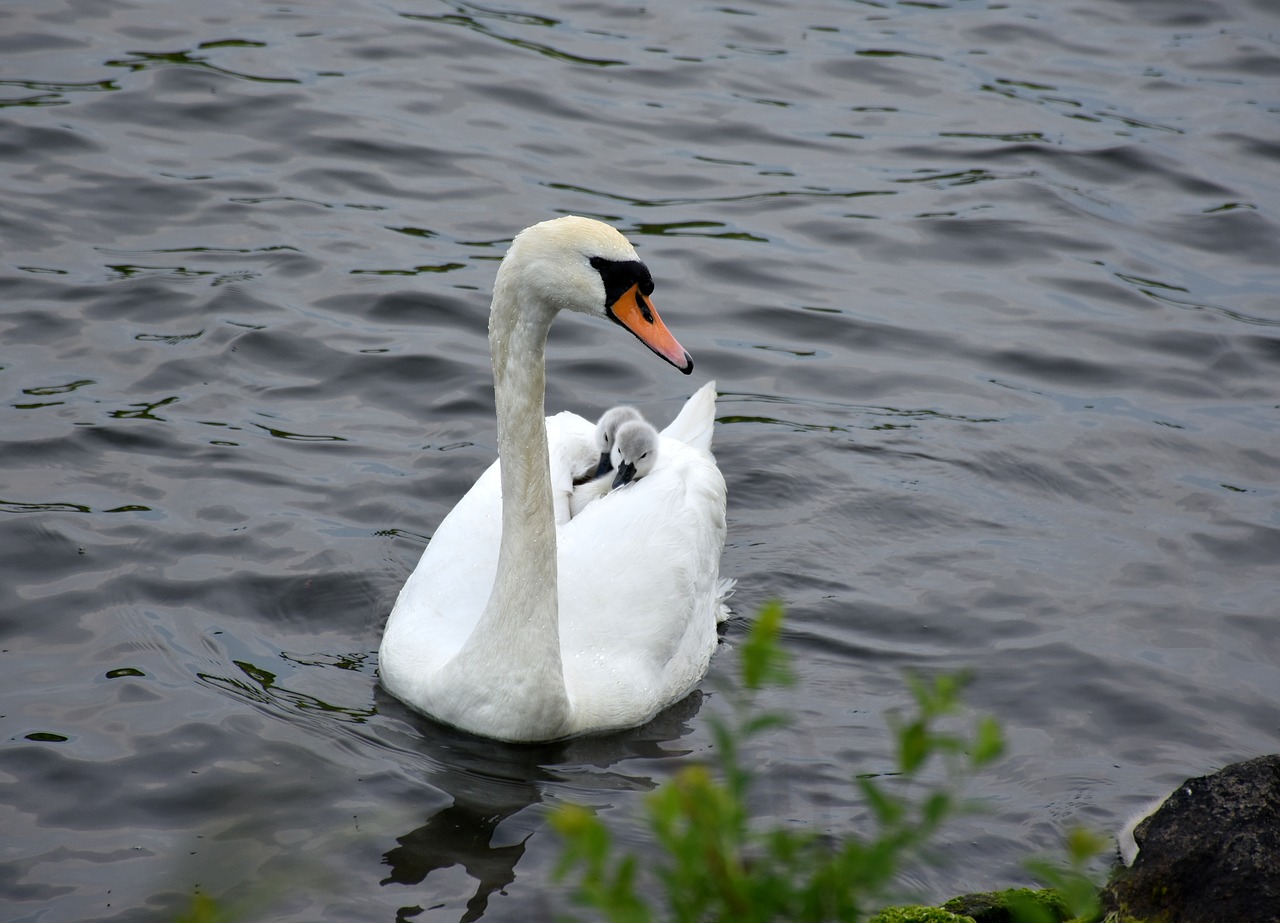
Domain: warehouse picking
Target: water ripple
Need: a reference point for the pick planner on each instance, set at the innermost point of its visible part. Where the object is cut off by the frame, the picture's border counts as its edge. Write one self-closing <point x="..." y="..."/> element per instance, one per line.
<point x="990" y="293"/>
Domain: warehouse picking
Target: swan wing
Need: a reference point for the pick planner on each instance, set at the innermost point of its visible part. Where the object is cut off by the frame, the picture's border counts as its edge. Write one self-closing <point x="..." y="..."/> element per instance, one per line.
<point x="572" y="450"/>
<point x="444" y="597"/>
<point x="640" y="591"/>
<point x="586" y="493"/>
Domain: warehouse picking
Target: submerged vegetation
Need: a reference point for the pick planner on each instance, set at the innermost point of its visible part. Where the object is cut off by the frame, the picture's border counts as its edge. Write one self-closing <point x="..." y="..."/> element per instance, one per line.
<point x="714" y="862"/>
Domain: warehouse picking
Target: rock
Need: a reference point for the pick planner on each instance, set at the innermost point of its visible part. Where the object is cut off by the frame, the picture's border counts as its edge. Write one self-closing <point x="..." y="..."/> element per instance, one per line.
<point x="1209" y="854"/>
<point x="1007" y="906"/>
<point x="917" y="914"/>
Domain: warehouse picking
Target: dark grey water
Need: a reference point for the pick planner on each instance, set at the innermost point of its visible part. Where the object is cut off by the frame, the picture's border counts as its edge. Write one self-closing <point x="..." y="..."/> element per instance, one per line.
<point x="991" y="292"/>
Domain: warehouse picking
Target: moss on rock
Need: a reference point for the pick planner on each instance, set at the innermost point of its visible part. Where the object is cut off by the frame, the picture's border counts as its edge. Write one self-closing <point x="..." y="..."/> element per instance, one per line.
<point x="918" y="914"/>
<point x="1002" y="906"/>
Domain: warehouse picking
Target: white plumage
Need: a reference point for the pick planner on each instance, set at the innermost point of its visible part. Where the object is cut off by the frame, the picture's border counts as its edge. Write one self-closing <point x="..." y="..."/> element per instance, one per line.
<point x="521" y="623"/>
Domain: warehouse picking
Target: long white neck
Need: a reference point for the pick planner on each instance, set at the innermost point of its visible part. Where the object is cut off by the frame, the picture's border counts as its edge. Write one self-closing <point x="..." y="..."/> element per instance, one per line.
<point x="517" y="640"/>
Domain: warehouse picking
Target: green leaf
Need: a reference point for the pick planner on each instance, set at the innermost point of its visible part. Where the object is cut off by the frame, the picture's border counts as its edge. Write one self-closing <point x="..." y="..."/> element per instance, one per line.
<point x="203" y="909"/>
<point x="712" y="862"/>
<point x="1083" y="845"/>
<point x="763" y="659"/>
<point x="913" y="746"/>
<point x="887" y="809"/>
<point x="936" y="807"/>
<point x="988" y="745"/>
<point x="765" y="721"/>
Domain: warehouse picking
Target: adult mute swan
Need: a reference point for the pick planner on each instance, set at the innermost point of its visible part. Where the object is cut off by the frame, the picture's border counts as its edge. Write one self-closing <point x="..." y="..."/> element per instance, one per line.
<point x="633" y="456"/>
<point x="524" y="625"/>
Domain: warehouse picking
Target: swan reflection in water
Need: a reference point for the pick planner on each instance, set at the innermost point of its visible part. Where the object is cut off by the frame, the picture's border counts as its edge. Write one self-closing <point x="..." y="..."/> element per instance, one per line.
<point x="489" y="784"/>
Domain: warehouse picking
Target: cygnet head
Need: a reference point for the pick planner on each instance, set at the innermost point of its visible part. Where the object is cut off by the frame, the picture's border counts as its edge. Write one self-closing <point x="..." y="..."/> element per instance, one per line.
<point x="607" y="431"/>
<point x="635" y="451"/>
<point x="584" y="265"/>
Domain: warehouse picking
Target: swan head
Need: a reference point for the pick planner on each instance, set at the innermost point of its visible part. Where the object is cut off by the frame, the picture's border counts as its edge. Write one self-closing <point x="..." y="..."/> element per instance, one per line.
<point x="635" y="451"/>
<point x="584" y="265"/>
<point x="607" y="432"/>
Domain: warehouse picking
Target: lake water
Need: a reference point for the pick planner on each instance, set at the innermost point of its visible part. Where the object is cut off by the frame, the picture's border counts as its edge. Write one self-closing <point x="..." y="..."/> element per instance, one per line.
<point x="991" y="292"/>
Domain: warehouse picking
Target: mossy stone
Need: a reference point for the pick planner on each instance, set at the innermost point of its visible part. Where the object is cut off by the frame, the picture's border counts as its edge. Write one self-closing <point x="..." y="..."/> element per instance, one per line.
<point x="917" y="914"/>
<point x="998" y="906"/>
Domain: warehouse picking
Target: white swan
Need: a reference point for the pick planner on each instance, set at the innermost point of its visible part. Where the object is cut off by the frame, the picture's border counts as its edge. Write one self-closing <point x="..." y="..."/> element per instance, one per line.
<point x="522" y="627"/>
<point x="634" y="454"/>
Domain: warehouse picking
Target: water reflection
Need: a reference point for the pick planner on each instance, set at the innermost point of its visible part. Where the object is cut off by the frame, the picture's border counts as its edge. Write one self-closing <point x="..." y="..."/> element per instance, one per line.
<point x="151" y="60"/>
<point x="261" y="685"/>
<point x="489" y="783"/>
<point x="473" y="17"/>
<point x="486" y="798"/>
<point x="52" y="94"/>
<point x="458" y="835"/>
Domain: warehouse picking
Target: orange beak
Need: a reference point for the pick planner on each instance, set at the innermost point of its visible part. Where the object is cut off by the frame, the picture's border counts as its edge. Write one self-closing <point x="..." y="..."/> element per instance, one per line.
<point x="635" y="312"/>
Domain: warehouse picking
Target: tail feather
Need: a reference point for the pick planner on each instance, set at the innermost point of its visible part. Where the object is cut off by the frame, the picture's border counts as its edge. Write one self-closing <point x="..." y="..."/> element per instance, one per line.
<point x="694" y="424"/>
<point x="724" y="589"/>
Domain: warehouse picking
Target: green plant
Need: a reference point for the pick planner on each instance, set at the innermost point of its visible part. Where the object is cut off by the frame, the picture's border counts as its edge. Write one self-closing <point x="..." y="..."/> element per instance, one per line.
<point x="203" y="909"/>
<point x="715" y="864"/>
<point x="1070" y="880"/>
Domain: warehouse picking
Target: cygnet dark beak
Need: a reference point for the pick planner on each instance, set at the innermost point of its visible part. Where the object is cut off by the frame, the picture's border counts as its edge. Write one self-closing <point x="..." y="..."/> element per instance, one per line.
<point x="626" y="471"/>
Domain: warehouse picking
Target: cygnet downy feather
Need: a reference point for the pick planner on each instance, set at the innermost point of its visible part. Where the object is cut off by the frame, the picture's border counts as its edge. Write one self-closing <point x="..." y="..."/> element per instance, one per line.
<point x="634" y="454"/>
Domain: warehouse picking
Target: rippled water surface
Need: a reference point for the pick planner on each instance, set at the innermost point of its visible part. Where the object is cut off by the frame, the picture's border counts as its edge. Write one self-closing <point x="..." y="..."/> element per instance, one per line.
<point x="991" y="292"/>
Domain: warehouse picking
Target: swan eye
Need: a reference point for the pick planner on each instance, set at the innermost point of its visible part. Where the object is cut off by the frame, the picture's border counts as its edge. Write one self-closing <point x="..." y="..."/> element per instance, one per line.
<point x="620" y="275"/>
